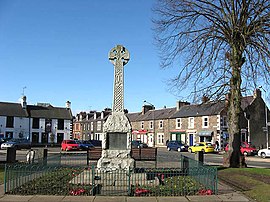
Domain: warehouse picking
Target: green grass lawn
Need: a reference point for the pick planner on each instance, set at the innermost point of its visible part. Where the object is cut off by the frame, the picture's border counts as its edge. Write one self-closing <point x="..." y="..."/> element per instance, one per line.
<point x="253" y="182"/>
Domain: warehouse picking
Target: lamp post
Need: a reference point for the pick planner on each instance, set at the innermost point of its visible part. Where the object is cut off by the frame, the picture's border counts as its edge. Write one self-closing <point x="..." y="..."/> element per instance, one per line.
<point x="153" y="116"/>
<point x="266" y="117"/>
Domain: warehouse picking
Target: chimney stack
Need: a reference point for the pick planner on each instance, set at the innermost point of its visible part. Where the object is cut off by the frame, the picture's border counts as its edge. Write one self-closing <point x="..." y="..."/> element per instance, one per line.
<point x="146" y="108"/>
<point x="180" y="104"/>
<point x="68" y="103"/>
<point x="257" y="93"/>
<point x="23" y="102"/>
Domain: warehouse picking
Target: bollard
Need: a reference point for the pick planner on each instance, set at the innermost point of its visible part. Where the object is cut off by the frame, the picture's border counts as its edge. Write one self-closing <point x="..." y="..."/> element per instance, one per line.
<point x="11" y="155"/>
<point x="199" y="156"/>
<point x="45" y="156"/>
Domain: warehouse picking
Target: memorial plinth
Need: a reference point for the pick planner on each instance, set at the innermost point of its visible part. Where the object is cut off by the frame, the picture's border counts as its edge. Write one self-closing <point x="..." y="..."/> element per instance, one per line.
<point x="116" y="145"/>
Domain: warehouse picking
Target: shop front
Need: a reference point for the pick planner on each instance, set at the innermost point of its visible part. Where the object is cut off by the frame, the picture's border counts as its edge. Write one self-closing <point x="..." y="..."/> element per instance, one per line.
<point x="205" y="136"/>
<point x="179" y="135"/>
<point x="144" y="136"/>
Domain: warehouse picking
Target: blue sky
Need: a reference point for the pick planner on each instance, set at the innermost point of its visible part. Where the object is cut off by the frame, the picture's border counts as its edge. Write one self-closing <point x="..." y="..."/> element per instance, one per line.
<point x="58" y="50"/>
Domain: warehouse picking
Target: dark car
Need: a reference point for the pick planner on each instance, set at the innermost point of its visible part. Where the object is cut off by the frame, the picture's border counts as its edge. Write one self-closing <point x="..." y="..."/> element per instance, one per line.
<point x="177" y="146"/>
<point x="17" y="144"/>
<point x="138" y="144"/>
<point x="96" y="143"/>
<point x="84" y="144"/>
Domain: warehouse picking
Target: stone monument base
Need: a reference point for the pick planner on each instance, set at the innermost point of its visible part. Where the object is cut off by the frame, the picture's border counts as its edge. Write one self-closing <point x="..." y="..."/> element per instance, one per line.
<point x="115" y="160"/>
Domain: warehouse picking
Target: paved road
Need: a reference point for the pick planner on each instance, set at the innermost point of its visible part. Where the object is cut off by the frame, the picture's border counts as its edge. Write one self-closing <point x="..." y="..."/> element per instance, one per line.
<point x="167" y="158"/>
<point x="212" y="159"/>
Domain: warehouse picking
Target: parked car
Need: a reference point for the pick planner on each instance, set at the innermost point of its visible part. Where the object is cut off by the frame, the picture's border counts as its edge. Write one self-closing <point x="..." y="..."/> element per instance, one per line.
<point x="206" y="147"/>
<point x="138" y="144"/>
<point x="68" y="145"/>
<point x="176" y="145"/>
<point x="96" y="143"/>
<point x="17" y="144"/>
<point x="245" y="148"/>
<point x="264" y="152"/>
<point x="84" y="144"/>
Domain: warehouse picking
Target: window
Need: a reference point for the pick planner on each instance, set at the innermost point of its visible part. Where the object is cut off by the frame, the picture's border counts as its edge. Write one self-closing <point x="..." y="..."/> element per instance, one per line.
<point x="160" y="137"/>
<point x="88" y="126"/>
<point x="205" y="123"/>
<point x="151" y="124"/>
<point x="99" y="125"/>
<point x="84" y="126"/>
<point x="92" y="126"/>
<point x="161" y="124"/>
<point x="60" y="124"/>
<point x="77" y="126"/>
<point x="142" y="125"/>
<point x="178" y="123"/>
<point x="191" y="122"/>
<point x="35" y="123"/>
<point x="10" y="122"/>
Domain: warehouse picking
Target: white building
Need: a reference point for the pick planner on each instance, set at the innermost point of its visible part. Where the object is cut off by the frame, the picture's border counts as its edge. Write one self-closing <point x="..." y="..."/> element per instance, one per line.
<point x="41" y="123"/>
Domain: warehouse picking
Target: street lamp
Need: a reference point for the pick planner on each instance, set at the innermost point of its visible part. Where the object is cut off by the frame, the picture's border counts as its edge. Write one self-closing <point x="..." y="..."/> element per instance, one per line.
<point x="266" y="121"/>
<point x="153" y="115"/>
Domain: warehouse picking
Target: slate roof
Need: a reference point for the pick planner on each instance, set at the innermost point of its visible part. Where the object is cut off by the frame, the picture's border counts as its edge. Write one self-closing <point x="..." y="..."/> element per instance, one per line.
<point x="246" y="101"/>
<point x="133" y="116"/>
<point x="158" y="114"/>
<point x="34" y="111"/>
<point x="49" y="112"/>
<point x="12" y="109"/>
<point x="206" y="109"/>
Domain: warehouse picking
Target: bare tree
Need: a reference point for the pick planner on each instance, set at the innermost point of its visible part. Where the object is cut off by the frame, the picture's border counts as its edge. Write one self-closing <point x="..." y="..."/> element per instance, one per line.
<point x="221" y="46"/>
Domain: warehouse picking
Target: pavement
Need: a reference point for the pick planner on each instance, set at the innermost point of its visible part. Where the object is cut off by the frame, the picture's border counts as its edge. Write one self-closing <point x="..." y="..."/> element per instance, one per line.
<point x="225" y="193"/>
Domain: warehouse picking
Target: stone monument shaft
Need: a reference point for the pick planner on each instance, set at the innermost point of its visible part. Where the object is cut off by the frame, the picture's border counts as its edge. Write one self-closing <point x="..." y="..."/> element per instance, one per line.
<point x="116" y="145"/>
<point x="119" y="56"/>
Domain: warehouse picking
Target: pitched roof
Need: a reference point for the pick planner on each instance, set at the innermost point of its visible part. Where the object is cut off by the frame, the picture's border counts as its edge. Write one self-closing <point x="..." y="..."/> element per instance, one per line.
<point x="206" y="109"/>
<point x="12" y="109"/>
<point x="133" y="116"/>
<point x="158" y="114"/>
<point x="49" y="112"/>
<point x="246" y="101"/>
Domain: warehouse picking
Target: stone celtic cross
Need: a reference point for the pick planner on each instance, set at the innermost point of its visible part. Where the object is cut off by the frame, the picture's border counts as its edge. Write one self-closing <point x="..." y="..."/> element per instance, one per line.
<point x="118" y="56"/>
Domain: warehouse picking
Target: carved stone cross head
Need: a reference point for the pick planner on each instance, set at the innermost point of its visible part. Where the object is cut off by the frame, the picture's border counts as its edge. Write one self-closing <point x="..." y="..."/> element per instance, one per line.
<point x="119" y="56"/>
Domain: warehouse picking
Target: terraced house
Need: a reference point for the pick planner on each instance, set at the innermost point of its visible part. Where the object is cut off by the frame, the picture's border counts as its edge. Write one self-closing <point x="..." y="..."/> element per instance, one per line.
<point x="185" y="122"/>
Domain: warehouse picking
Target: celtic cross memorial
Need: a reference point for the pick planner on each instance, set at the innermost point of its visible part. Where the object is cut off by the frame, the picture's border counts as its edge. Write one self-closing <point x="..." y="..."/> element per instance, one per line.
<point x="116" y="144"/>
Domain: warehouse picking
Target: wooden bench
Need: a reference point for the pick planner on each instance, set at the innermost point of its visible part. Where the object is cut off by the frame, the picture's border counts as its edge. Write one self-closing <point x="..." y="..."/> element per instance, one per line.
<point x="94" y="154"/>
<point x="138" y="154"/>
<point x="144" y="154"/>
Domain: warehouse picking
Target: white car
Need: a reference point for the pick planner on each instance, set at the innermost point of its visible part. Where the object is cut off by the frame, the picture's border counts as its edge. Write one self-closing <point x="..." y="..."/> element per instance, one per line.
<point x="264" y="152"/>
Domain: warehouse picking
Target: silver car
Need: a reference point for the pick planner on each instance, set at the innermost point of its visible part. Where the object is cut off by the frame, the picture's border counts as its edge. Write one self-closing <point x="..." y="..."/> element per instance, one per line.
<point x="17" y="144"/>
<point x="264" y="152"/>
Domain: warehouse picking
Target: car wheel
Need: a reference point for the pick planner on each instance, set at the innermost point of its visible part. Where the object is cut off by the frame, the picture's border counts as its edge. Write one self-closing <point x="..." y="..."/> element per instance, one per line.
<point x="66" y="149"/>
<point x="263" y="155"/>
<point x="168" y="148"/>
<point x="190" y="150"/>
<point x="245" y="153"/>
<point x="179" y="149"/>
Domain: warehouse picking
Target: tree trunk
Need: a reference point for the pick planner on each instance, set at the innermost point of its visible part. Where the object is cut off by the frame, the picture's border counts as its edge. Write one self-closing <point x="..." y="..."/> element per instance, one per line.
<point x="234" y="158"/>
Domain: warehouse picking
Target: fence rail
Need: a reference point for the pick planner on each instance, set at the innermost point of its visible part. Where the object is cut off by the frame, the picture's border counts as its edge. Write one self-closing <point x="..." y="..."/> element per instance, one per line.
<point x="59" y="176"/>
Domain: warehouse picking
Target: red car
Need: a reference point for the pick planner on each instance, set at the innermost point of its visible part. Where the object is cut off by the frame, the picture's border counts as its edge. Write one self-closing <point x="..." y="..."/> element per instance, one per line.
<point x="68" y="145"/>
<point x="245" y="148"/>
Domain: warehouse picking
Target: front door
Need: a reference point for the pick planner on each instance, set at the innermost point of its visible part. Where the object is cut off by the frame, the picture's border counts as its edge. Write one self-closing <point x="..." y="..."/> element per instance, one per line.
<point x="35" y="137"/>
<point x="60" y="137"/>
<point x="190" y="139"/>
<point x="44" y="138"/>
<point x="150" y="140"/>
